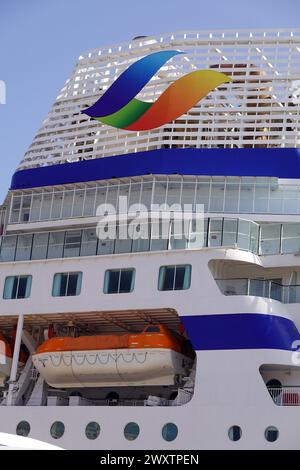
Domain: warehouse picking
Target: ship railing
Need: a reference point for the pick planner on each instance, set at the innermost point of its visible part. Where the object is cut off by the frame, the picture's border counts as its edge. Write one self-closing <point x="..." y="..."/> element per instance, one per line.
<point x="214" y="232"/>
<point x="285" y="395"/>
<point x="128" y="402"/>
<point x="260" y="288"/>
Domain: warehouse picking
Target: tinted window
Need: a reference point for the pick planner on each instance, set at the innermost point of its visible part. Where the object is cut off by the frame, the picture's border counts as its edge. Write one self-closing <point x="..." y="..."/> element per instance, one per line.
<point x="125" y="281"/>
<point x="176" y="277"/>
<point x="153" y="329"/>
<point x="67" y="284"/>
<point x="17" y="287"/>
<point x="113" y="283"/>
<point x="118" y="281"/>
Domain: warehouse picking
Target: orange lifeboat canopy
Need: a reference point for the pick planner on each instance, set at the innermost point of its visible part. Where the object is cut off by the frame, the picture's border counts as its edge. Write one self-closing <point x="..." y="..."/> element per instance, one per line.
<point x="153" y="336"/>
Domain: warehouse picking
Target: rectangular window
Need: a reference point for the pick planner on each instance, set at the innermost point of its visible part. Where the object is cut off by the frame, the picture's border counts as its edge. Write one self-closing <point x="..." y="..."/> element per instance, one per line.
<point x="88" y="242"/>
<point x="72" y="243"/>
<point x="23" y="251"/>
<point x="56" y="244"/>
<point x="8" y="247"/>
<point x="66" y="284"/>
<point x="40" y="245"/>
<point x="177" y="277"/>
<point x="119" y="281"/>
<point x="17" y="287"/>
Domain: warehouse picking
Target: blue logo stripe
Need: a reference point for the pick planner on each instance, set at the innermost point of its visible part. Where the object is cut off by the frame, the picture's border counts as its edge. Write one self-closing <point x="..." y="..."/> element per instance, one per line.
<point x="130" y="83"/>
<point x="240" y="331"/>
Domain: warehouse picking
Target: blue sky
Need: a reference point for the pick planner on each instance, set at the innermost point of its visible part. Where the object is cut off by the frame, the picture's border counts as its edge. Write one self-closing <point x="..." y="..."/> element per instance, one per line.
<point x="40" y="41"/>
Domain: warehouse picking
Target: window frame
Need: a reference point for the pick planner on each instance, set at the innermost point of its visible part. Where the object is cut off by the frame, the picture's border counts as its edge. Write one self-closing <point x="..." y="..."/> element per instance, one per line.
<point x="78" y="286"/>
<point x="27" y="288"/>
<point x="119" y="270"/>
<point x="162" y="274"/>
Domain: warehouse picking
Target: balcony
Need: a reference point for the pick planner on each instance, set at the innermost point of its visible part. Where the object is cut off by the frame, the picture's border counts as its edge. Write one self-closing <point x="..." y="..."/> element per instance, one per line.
<point x="213" y="232"/>
<point x="218" y="194"/>
<point x="260" y="288"/>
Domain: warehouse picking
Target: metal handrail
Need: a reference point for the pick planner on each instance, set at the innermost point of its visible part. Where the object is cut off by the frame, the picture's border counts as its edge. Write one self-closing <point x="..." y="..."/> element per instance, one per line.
<point x="285" y="395"/>
<point x="286" y="293"/>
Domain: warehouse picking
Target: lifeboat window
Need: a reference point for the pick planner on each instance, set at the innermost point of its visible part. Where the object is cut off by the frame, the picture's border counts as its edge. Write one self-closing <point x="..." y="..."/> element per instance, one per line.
<point x="57" y="429"/>
<point x="131" y="431"/>
<point x="177" y="277"/>
<point x="234" y="433"/>
<point x="66" y="284"/>
<point x="112" y="396"/>
<point x="169" y="432"/>
<point x="271" y="434"/>
<point x="118" y="281"/>
<point x="152" y="329"/>
<point x="92" y="430"/>
<point x="23" y="428"/>
<point x="17" y="287"/>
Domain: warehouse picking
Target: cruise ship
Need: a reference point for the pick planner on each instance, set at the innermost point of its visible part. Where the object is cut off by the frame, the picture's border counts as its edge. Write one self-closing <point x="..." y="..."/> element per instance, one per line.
<point x="150" y="274"/>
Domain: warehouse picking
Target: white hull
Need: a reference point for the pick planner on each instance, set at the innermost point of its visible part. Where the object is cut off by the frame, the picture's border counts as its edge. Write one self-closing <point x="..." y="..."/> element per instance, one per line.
<point x="241" y="307"/>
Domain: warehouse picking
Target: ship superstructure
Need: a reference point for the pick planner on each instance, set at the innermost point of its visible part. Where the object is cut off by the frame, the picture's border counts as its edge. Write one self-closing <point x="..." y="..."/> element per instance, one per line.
<point x="175" y="336"/>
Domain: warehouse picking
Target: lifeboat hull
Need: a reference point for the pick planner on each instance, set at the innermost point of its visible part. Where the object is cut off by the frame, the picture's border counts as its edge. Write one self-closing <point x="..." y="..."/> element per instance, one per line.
<point x="105" y="368"/>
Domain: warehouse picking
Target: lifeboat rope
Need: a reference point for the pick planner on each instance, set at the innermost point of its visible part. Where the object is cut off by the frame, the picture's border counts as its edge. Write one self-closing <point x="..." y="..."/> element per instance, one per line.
<point x="69" y="358"/>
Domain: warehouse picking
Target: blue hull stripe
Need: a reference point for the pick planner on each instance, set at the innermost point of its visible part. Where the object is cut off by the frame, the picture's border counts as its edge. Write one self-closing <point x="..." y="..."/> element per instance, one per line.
<point x="280" y="163"/>
<point x="240" y="331"/>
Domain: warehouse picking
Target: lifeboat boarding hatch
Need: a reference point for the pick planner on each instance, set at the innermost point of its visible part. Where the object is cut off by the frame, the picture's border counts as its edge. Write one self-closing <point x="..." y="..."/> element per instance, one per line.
<point x="69" y="384"/>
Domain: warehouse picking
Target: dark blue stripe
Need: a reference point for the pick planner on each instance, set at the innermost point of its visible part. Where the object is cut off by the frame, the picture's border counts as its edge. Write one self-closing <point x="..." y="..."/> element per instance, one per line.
<point x="279" y="162"/>
<point x="240" y="331"/>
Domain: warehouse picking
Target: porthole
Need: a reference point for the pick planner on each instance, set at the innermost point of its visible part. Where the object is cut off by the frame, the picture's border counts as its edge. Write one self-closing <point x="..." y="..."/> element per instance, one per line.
<point x="234" y="433"/>
<point x="271" y="434"/>
<point x="57" y="429"/>
<point x="92" y="430"/>
<point x="169" y="432"/>
<point x="23" y="428"/>
<point x="131" y="431"/>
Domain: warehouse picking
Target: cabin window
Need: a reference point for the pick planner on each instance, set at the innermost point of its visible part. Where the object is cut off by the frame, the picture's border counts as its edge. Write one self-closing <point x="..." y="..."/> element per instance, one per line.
<point x="57" y="429"/>
<point x="177" y="277"/>
<point x="234" y="433"/>
<point x="119" y="281"/>
<point x="131" y="431"/>
<point x="67" y="284"/>
<point x="23" y="428"/>
<point x="92" y="430"/>
<point x="17" y="287"/>
<point x="271" y="434"/>
<point x="169" y="432"/>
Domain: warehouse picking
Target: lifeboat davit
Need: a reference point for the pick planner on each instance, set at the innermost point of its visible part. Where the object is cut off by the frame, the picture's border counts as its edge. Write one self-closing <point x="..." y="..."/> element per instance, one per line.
<point x="5" y="359"/>
<point x="156" y="356"/>
<point x="6" y="355"/>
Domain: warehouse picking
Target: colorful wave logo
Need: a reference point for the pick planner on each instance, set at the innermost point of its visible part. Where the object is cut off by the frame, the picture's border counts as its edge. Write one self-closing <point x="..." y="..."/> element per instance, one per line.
<point x="119" y="108"/>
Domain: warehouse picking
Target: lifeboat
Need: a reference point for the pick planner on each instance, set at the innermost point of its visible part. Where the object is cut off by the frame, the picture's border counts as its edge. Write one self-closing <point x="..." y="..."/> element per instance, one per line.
<point x="6" y="355"/>
<point x="156" y="356"/>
